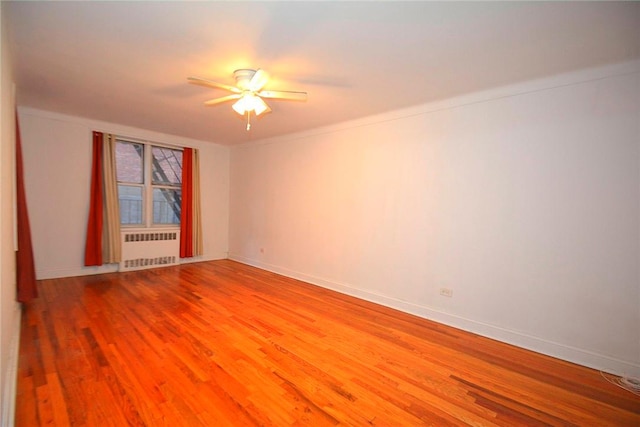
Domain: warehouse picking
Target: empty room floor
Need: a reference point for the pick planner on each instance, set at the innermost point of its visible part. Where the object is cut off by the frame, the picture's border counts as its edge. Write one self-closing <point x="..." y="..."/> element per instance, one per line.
<point x="221" y="343"/>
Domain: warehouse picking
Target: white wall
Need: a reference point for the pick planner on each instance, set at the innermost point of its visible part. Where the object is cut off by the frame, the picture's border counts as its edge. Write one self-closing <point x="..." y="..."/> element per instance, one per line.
<point x="57" y="155"/>
<point x="9" y="308"/>
<point x="525" y="201"/>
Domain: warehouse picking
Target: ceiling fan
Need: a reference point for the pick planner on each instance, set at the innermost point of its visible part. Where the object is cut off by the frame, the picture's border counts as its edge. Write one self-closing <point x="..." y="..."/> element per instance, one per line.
<point x="248" y="92"/>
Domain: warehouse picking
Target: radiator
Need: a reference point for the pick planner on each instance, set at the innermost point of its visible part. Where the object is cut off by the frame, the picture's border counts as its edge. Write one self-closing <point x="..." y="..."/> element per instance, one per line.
<point x="149" y="249"/>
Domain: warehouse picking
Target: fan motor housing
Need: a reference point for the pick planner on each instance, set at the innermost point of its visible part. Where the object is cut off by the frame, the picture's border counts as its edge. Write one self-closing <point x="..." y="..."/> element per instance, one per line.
<point x="243" y="77"/>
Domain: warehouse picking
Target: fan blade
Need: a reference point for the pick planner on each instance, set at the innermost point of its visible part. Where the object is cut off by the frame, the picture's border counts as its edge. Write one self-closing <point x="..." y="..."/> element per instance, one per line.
<point x="223" y="99"/>
<point x="284" y="94"/>
<point x="259" y="79"/>
<point x="209" y="83"/>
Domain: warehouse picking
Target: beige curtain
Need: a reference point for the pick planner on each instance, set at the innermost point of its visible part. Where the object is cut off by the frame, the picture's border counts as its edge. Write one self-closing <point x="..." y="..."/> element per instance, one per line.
<point x="197" y="218"/>
<point x="111" y="226"/>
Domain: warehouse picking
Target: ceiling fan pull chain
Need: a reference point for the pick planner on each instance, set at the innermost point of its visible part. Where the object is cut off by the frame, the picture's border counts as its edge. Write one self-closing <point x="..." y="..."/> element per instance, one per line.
<point x="248" y="121"/>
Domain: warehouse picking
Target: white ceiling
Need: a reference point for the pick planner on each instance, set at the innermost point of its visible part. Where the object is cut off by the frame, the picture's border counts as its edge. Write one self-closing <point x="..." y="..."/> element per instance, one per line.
<point x="127" y="62"/>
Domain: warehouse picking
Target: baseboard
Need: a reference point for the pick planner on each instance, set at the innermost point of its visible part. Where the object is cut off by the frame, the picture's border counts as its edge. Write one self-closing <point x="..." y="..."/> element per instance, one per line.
<point x="203" y="258"/>
<point x="112" y="268"/>
<point x="75" y="272"/>
<point x="11" y="377"/>
<point x="539" y="345"/>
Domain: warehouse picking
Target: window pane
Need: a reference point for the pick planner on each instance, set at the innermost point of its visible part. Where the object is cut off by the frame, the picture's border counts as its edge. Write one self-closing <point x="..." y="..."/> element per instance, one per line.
<point x="130" y="198"/>
<point x="166" y="206"/>
<point x="129" y="162"/>
<point x="166" y="166"/>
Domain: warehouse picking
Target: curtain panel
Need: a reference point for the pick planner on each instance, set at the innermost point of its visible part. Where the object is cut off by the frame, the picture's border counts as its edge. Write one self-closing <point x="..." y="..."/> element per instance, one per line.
<point x="111" y="252"/>
<point x="103" y="225"/>
<point x="25" y="265"/>
<point x="190" y="217"/>
<point x="93" y="245"/>
<point x="197" y="212"/>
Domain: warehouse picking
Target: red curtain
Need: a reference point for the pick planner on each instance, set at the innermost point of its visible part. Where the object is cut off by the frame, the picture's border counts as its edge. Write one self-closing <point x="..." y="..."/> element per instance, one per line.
<point x="93" y="247"/>
<point x="186" y="210"/>
<point x="25" y="266"/>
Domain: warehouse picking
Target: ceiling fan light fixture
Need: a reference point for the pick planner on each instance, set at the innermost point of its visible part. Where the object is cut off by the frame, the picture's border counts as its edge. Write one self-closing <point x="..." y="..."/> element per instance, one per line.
<point x="248" y="92"/>
<point x="250" y="102"/>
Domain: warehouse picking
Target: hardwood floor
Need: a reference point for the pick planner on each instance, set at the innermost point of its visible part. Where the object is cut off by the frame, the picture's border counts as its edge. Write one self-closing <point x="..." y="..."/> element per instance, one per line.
<point x="223" y="344"/>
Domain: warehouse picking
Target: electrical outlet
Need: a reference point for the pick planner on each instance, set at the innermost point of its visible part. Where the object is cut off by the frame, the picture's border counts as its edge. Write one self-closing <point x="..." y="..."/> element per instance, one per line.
<point x="446" y="292"/>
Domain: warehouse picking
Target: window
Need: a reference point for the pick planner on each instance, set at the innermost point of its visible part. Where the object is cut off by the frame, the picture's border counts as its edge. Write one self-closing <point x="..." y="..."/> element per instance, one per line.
<point x="149" y="184"/>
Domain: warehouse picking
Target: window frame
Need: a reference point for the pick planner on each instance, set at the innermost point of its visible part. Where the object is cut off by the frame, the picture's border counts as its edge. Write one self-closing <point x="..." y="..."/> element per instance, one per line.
<point x="148" y="186"/>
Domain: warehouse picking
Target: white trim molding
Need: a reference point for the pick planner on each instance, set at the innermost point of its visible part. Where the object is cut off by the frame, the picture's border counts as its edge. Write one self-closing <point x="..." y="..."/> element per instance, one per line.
<point x="11" y="377"/>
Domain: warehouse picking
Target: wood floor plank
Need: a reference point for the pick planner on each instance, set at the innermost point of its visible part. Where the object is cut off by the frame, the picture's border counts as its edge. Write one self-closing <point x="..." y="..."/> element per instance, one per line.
<point x="222" y="343"/>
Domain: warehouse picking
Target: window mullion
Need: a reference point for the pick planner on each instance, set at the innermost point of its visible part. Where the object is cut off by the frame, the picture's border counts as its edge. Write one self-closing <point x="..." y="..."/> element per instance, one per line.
<point x="148" y="188"/>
